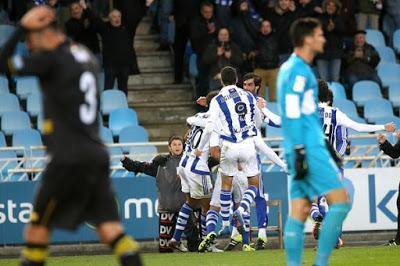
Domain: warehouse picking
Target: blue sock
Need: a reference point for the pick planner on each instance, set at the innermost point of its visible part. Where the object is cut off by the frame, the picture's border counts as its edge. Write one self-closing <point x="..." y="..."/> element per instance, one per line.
<point x="261" y="209"/>
<point x="294" y="241"/>
<point x="330" y="231"/>
<point x="211" y="221"/>
<point x="246" y="232"/>
<point x="181" y="222"/>
<point x="203" y="226"/>
<point x="248" y="198"/>
<point x="225" y="199"/>
<point x="322" y="205"/>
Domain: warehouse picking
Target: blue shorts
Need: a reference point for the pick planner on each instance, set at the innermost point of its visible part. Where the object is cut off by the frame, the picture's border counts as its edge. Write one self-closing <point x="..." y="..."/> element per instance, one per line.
<point x="323" y="175"/>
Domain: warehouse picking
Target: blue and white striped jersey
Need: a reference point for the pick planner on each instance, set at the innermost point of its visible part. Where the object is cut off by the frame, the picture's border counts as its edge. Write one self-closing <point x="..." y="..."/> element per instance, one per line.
<point x="235" y="113"/>
<point x="197" y="123"/>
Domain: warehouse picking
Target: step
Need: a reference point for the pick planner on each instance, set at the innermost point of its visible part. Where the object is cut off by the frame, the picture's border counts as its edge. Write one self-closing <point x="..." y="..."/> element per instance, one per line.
<point x="144" y="26"/>
<point x="146" y="43"/>
<point x="164" y="132"/>
<point x="151" y="78"/>
<point x="160" y="95"/>
<point x="156" y="70"/>
<point x="154" y="59"/>
<point x="163" y="113"/>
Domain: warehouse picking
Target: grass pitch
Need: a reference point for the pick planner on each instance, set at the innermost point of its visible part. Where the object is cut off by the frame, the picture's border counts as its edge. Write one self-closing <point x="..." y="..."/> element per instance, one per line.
<point x="346" y="256"/>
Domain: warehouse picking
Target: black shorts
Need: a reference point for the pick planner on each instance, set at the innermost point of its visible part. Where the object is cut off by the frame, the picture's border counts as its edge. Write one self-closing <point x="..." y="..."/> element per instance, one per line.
<point x="74" y="193"/>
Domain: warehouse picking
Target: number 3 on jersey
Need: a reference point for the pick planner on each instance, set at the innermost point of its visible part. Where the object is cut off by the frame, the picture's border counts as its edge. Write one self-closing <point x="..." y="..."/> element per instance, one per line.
<point x="88" y="110"/>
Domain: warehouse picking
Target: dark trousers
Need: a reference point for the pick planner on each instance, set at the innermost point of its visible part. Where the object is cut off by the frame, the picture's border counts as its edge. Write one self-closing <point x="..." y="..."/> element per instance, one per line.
<point x="119" y="73"/>
<point x="203" y="78"/>
<point x="181" y="38"/>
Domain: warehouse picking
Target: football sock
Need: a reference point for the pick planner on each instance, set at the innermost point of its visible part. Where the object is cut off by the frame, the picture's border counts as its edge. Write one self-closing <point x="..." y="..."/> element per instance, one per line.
<point x="225" y="199"/>
<point x="294" y="241"/>
<point x="246" y="231"/>
<point x="211" y="221"/>
<point x="34" y="255"/>
<point x="248" y="198"/>
<point x="261" y="209"/>
<point x="181" y="222"/>
<point x="331" y="231"/>
<point x="203" y="226"/>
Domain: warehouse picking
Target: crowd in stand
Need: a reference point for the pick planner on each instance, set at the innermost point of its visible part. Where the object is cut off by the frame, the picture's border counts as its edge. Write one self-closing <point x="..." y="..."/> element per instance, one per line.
<point x="250" y="35"/>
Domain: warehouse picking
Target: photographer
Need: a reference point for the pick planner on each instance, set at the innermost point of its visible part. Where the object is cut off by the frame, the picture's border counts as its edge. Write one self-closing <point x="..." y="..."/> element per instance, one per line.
<point x="170" y="196"/>
<point x="220" y="54"/>
<point x="394" y="152"/>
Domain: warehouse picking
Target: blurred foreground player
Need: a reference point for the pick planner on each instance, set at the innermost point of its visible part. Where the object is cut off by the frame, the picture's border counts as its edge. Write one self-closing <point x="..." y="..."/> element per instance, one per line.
<point x="76" y="185"/>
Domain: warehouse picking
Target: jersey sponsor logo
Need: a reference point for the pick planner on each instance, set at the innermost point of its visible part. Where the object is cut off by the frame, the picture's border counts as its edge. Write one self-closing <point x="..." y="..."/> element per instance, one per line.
<point x="299" y="84"/>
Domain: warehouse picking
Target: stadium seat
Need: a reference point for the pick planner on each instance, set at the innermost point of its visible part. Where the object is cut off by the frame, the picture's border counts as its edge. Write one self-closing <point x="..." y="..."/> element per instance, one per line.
<point x="8" y="103"/>
<point x="386" y="54"/>
<point x="27" y="138"/>
<point x="376" y="109"/>
<point x="389" y="73"/>
<point x="13" y="121"/>
<point x="107" y="138"/>
<point x="112" y="100"/>
<point x="143" y="153"/>
<point x="2" y="140"/>
<point x="394" y="94"/>
<point x="193" y="71"/>
<point x="133" y="134"/>
<point x="3" y="85"/>
<point x="27" y="86"/>
<point x="396" y="40"/>
<point x="273" y="132"/>
<point x="39" y="125"/>
<point x="120" y="119"/>
<point x="21" y="49"/>
<point x="388" y="119"/>
<point x="346" y="106"/>
<point x="5" y="33"/>
<point x="337" y="90"/>
<point x="375" y="38"/>
<point x="34" y="104"/>
<point x="365" y="90"/>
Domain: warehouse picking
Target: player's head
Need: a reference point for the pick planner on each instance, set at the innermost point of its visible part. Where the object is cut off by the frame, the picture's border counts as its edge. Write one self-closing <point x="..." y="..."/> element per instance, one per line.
<point x="75" y="10"/>
<point x="228" y="76"/>
<point x="175" y="145"/>
<point x="307" y="33"/>
<point x="115" y="18"/>
<point x="325" y="95"/>
<point x="46" y="38"/>
<point x="251" y="83"/>
<point x="210" y="96"/>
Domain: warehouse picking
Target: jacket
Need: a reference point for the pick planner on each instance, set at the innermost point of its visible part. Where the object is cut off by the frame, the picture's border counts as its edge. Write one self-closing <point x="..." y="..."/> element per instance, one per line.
<point x="333" y="48"/>
<point x="267" y="51"/>
<point x="392" y="151"/>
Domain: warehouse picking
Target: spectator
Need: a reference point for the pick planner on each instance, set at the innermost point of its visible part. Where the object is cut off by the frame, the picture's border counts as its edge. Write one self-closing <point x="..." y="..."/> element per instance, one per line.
<point x="221" y="53"/>
<point x="368" y="14"/>
<point x="117" y="53"/>
<point x="308" y="8"/>
<point x="203" y="30"/>
<point x="184" y="11"/>
<point x="361" y="60"/>
<point x="223" y="11"/>
<point x="394" y="152"/>
<point x="267" y="59"/>
<point x="348" y="17"/>
<point x="244" y="30"/>
<point x="281" y="17"/>
<point x="79" y="27"/>
<point x="170" y="196"/>
<point x="392" y="11"/>
<point x="329" y="61"/>
<point x="165" y="10"/>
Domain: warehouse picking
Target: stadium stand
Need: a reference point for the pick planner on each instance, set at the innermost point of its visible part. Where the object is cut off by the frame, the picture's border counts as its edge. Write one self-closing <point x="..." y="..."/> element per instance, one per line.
<point x="389" y="73"/>
<point x="112" y="100"/>
<point x="5" y="33"/>
<point x="34" y="105"/>
<point x="8" y="103"/>
<point x="338" y="90"/>
<point x="396" y="41"/>
<point x="27" y="86"/>
<point x="349" y="108"/>
<point x="375" y="38"/>
<point x="386" y="54"/>
<point x="120" y="119"/>
<point x="134" y="133"/>
<point x="394" y="94"/>
<point x="14" y="121"/>
<point x="365" y="90"/>
<point x="377" y="108"/>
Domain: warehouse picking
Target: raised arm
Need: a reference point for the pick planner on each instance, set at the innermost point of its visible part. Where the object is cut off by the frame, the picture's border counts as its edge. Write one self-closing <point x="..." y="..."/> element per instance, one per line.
<point x="344" y="120"/>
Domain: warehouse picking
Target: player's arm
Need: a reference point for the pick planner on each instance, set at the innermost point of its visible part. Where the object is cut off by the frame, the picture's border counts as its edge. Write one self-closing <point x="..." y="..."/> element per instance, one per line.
<point x="344" y="120"/>
<point x="211" y="126"/>
<point x="271" y="119"/>
<point x="387" y="148"/>
<point x="196" y="121"/>
<point x="144" y="167"/>
<point x="263" y="148"/>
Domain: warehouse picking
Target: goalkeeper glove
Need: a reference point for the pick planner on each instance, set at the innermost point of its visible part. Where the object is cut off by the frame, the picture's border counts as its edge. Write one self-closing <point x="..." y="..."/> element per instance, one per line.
<point x="300" y="163"/>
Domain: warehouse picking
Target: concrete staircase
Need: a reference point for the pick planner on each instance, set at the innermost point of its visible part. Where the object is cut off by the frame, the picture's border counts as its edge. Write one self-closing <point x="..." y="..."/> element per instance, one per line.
<point x="162" y="106"/>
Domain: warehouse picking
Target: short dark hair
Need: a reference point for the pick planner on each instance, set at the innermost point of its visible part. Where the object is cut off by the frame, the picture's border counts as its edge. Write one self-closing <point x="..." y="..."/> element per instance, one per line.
<point x="206" y="3"/>
<point x="228" y="76"/>
<point x="257" y="79"/>
<point x="172" y="138"/>
<point x="324" y="93"/>
<point x="210" y="96"/>
<point x="302" y="28"/>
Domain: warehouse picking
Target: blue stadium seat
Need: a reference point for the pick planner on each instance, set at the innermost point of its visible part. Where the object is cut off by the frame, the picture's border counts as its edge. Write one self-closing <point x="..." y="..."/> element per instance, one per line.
<point x="21" y="49"/>
<point x="193" y="71"/>
<point x="376" y="109"/>
<point x="375" y="38"/>
<point x="112" y="100"/>
<point x="39" y="125"/>
<point x="388" y="119"/>
<point x="337" y="90"/>
<point x="27" y="86"/>
<point x="346" y="106"/>
<point x="272" y="132"/>
<point x="143" y="153"/>
<point x="34" y="104"/>
<point x="121" y="118"/>
<point x="8" y="103"/>
<point x="133" y="134"/>
<point x="107" y="138"/>
<point x="3" y="85"/>
<point x="386" y="54"/>
<point x="394" y="94"/>
<point x="396" y="40"/>
<point x="5" y="33"/>
<point x="389" y="73"/>
<point x="365" y="90"/>
<point x="2" y="140"/>
<point x="14" y="121"/>
<point x="27" y="138"/>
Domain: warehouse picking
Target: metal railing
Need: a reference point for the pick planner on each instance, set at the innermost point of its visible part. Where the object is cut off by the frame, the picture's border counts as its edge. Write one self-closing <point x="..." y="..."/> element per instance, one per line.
<point x="30" y="162"/>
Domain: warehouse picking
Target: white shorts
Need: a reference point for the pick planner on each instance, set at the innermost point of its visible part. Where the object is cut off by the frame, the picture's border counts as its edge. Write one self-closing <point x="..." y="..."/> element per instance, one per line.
<point x="244" y="153"/>
<point x="195" y="180"/>
<point x="239" y="186"/>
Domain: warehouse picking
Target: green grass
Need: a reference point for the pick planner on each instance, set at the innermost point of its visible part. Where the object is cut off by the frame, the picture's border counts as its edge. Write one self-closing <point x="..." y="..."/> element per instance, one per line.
<point x="363" y="256"/>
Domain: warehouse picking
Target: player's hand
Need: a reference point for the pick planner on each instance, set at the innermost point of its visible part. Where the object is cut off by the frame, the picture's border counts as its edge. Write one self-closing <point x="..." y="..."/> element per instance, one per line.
<point x="300" y="163"/>
<point x="38" y="18"/>
<point x="381" y="138"/>
<point x="390" y="127"/>
<point x="261" y="103"/>
<point x="197" y="153"/>
<point x="202" y="101"/>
